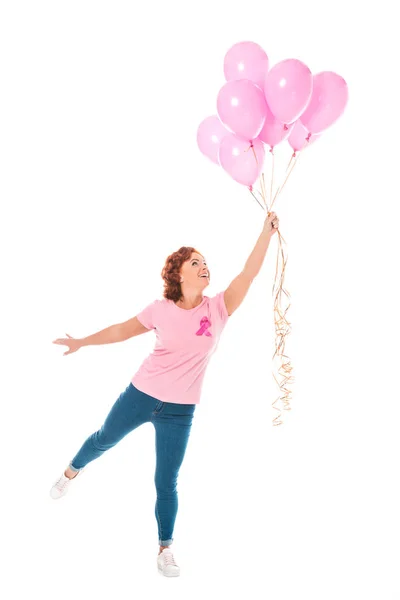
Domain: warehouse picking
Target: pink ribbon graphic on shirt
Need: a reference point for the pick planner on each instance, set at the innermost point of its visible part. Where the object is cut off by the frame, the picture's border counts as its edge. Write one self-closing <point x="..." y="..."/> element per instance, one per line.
<point x="205" y="323"/>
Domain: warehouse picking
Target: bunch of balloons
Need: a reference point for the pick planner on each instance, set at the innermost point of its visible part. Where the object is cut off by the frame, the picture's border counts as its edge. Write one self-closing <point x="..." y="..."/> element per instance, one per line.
<point x="260" y="106"/>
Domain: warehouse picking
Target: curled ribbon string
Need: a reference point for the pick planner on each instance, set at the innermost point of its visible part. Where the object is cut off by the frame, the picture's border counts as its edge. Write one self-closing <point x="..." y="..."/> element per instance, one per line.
<point x="284" y="377"/>
<point x="282" y="325"/>
<point x="282" y="329"/>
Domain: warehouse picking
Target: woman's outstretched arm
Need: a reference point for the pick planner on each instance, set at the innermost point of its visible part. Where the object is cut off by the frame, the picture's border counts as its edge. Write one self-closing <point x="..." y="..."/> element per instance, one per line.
<point x="236" y="292"/>
<point x="115" y="333"/>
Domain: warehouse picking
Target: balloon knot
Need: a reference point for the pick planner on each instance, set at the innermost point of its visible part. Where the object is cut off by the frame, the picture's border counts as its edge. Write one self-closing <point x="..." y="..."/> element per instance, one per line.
<point x="285" y="127"/>
<point x="251" y="188"/>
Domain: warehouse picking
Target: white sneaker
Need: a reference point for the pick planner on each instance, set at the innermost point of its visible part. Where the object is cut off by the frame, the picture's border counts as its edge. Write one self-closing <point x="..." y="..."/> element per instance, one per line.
<point x="166" y="564"/>
<point x="60" y="487"/>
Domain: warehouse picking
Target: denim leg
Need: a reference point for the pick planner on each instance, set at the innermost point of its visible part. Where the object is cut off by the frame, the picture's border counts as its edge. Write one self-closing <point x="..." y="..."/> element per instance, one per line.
<point x="133" y="408"/>
<point x="172" y="425"/>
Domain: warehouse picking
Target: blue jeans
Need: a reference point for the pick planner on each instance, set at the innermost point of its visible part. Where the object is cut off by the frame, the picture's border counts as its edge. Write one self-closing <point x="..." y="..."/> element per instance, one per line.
<point x="172" y="423"/>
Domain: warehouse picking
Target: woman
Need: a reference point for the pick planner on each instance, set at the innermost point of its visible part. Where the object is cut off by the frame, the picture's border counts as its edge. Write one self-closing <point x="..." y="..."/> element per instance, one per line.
<point x="167" y="386"/>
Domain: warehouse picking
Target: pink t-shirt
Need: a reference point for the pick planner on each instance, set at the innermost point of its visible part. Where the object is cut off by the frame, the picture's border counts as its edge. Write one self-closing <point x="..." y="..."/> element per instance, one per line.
<point x="185" y="342"/>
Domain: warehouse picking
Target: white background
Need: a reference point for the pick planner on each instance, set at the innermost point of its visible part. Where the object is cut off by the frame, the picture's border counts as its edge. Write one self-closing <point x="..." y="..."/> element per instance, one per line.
<point x="101" y="179"/>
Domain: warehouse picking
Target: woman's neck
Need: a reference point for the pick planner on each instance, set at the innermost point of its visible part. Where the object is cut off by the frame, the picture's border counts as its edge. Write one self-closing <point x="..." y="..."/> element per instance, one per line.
<point x="189" y="303"/>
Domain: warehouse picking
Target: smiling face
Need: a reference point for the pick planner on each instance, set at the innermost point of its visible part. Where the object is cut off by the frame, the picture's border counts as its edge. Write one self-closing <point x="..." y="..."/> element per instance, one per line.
<point x="195" y="273"/>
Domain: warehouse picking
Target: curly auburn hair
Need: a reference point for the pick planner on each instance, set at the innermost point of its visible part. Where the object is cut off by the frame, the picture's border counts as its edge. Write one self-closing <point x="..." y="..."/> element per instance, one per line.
<point x="171" y="272"/>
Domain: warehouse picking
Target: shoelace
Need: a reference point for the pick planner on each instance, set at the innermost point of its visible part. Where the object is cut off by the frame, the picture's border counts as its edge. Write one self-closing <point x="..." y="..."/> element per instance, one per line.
<point x="60" y="485"/>
<point x="169" y="559"/>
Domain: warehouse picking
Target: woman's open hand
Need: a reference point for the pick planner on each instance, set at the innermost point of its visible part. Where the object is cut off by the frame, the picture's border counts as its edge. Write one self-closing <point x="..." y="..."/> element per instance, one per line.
<point x="72" y="343"/>
<point x="271" y="223"/>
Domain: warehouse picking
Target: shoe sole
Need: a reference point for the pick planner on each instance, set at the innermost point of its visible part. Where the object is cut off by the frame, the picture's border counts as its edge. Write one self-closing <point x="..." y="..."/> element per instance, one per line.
<point x="57" y="497"/>
<point x="167" y="574"/>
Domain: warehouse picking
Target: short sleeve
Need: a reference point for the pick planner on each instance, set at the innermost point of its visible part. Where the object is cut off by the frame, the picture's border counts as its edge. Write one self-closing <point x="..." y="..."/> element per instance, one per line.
<point x="148" y="315"/>
<point x="221" y="309"/>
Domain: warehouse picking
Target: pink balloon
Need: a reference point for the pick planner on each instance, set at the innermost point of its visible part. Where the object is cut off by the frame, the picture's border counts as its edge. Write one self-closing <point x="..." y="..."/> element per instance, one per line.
<point x="242" y="108"/>
<point x="328" y="101"/>
<point x="273" y="131"/>
<point x="246" y="60"/>
<point x="288" y="88"/>
<point x="298" y="136"/>
<point x="210" y="133"/>
<point x="241" y="159"/>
